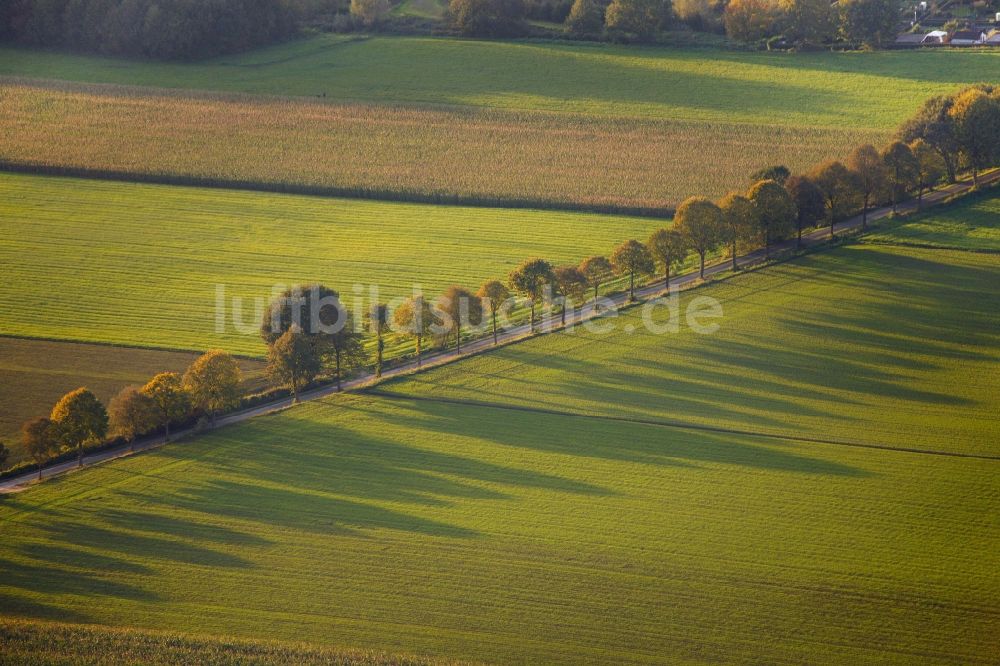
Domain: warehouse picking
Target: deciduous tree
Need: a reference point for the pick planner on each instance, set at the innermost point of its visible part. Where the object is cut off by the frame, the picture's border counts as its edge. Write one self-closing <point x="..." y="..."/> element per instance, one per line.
<point x="131" y="413"/>
<point x="902" y="169"/>
<point x="171" y="400"/>
<point x="669" y="248"/>
<point x="808" y="21"/>
<point x="79" y="419"/>
<point x="869" y="22"/>
<point x="930" y="167"/>
<point x="38" y="437"/>
<point x="414" y="319"/>
<point x="976" y="114"/>
<point x="700" y="222"/>
<point x="488" y="18"/>
<point x="572" y="285"/>
<point x="586" y="17"/>
<point x="934" y="124"/>
<point x="640" y="18"/>
<point x="293" y="360"/>
<point x="597" y="270"/>
<point x="739" y="222"/>
<point x="370" y="12"/>
<point x="631" y="258"/>
<point x="839" y="187"/>
<point x="775" y="211"/>
<point x="750" y="20"/>
<point x="810" y="204"/>
<point x="870" y="175"/>
<point x="213" y="382"/>
<point x="494" y="294"/>
<point x="378" y="323"/>
<point x="461" y="309"/>
<point x="530" y="279"/>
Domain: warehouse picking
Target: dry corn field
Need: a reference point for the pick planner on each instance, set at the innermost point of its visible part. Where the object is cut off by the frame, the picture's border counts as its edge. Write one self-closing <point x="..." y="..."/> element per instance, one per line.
<point x="473" y="155"/>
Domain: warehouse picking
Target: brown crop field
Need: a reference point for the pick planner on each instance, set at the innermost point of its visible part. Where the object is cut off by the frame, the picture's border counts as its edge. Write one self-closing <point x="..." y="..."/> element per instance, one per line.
<point x="473" y="155"/>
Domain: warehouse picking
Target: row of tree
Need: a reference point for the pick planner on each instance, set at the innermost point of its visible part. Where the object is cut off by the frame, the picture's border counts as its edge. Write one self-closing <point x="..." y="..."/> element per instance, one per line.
<point x="210" y="386"/>
<point x="166" y="29"/>
<point x="871" y="23"/>
<point x="308" y="331"/>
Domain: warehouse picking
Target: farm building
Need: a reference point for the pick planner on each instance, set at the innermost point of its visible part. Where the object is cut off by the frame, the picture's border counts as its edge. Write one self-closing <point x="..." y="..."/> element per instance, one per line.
<point x="935" y="37"/>
<point x="965" y="38"/>
<point x="992" y="38"/>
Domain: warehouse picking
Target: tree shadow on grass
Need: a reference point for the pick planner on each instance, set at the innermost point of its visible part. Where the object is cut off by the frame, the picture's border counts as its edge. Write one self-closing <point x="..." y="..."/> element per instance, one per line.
<point x="599" y="437"/>
<point x="53" y="576"/>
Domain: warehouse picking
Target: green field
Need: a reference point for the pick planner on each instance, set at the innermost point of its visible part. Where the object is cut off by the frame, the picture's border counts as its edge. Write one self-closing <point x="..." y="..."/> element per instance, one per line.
<point x="556" y="123"/>
<point x="139" y="264"/>
<point x="845" y="90"/>
<point x="972" y="225"/>
<point x="43" y="371"/>
<point x="568" y="517"/>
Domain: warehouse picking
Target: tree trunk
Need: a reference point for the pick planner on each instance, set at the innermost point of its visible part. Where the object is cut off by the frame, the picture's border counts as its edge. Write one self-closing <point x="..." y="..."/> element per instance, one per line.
<point x="975" y="178"/>
<point x="701" y="255"/>
<point x="832" y="222"/>
<point x="531" y="326"/>
<point x="920" y="197"/>
<point x="596" y="286"/>
<point x="864" y="213"/>
<point x="166" y="437"/>
<point x="666" y="276"/>
<point x="295" y="392"/>
<point x="419" y="337"/>
<point x="798" y="241"/>
<point x="458" y="338"/>
<point x="379" y="345"/>
<point x="39" y="471"/>
<point x="79" y="455"/>
<point x="495" y="328"/>
<point x="337" y="355"/>
<point x="631" y="285"/>
<point x="767" y="243"/>
<point x="734" y="255"/>
<point x="131" y="444"/>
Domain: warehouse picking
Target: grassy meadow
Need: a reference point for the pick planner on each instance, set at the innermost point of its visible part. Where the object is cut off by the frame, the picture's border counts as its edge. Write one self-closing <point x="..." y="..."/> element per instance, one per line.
<point x="43" y="371"/>
<point x="561" y="501"/>
<point x="974" y="224"/>
<point x="588" y="125"/>
<point x="139" y="264"/>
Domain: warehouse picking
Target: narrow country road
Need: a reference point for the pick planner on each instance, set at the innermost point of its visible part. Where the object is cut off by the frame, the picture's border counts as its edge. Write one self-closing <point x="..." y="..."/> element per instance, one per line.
<point x="549" y="322"/>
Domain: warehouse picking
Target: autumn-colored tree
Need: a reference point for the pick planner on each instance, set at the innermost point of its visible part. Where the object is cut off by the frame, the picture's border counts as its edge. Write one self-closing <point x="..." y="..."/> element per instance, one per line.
<point x="869" y="22"/>
<point x="750" y="20"/>
<point x="669" y="248"/>
<point x="597" y="270"/>
<point x="902" y="170"/>
<point x="810" y="204"/>
<point x="292" y="360"/>
<point x="935" y="125"/>
<point x="700" y="222"/>
<point x="131" y="413"/>
<point x="4" y="455"/>
<point x="808" y="21"/>
<point x="79" y="419"/>
<point x="370" y="12"/>
<point x="976" y="113"/>
<point x="930" y="167"/>
<point x="778" y="173"/>
<point x="870" y="175"/>
<point x="462" y="309"/>
<point x="213" y="382"/>
<point x="775" y="211"/>
<point x="414" y="318"/>
<point x="39" y="439"/>
<point x="839" y="187"/>
<point x="171" y="400"/>
<point x="640" y="18"/>
<point x="572" y="285"/>
<point x="493" y="294"/>
<point x="378" y="323"/>
<point x="487" y="18"/>
<point x="631" y="258"/>
<point x="586" y="17"/>
<point x="531" y="279"/>
<point x="739" y="222"/>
